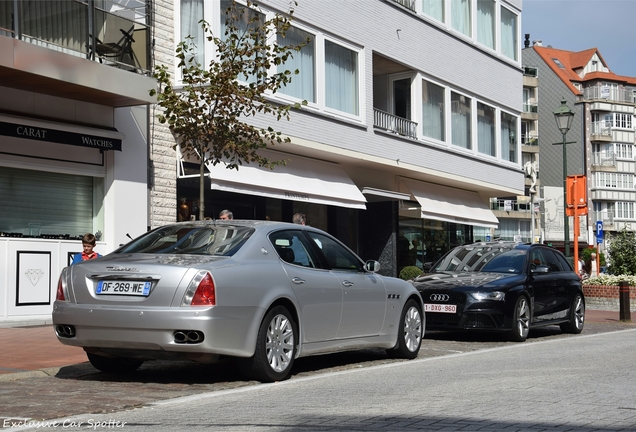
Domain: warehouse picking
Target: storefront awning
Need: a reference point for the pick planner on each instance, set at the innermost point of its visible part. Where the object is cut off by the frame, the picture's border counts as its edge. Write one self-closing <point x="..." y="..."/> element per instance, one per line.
<point x="302" y="179"/>
<point x="451" y="205"/>
<point x="62" y="133"/>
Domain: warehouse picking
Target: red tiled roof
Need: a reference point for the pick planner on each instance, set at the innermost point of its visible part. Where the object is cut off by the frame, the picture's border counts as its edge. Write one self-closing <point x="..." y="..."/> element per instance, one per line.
<point x="576" y="60"/>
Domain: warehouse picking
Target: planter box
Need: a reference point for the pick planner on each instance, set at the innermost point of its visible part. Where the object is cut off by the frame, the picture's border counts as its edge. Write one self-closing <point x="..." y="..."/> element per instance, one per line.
<point x="606" y="297"/>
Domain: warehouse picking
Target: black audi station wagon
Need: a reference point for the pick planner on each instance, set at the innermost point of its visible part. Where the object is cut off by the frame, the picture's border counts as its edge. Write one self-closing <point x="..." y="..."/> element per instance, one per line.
<point x="502" y="286"/>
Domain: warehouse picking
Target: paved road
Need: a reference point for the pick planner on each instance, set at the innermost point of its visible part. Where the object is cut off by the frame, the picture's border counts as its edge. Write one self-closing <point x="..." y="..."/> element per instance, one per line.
<point x="583" y="383"/>
<point x="80" y="389"/>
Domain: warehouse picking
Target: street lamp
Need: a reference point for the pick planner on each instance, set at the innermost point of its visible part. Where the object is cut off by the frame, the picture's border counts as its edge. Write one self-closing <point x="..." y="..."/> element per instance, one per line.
<point x="563" y="116"/>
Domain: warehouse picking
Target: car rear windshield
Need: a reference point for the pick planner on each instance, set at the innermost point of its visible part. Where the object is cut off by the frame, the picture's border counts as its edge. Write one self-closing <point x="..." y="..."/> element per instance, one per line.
<point x="198" y="240"/>
<point x="469" y="258"/>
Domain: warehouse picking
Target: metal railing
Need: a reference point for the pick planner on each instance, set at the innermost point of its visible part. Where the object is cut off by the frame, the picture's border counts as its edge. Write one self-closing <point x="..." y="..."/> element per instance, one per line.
<point x="602" y="127"/>
<point x="530" y="107"/>
<point x="530" y="140"/>
<point x="604" y="158"/>
<point x="406" y="3"/>
<point x="510" y="205"/>
<point x="600" y="92"/>
<point x="530" y="71"/>
<point x="390" y="122"/>
<point x="118" y="37"/>
<point x="607" y="216"/>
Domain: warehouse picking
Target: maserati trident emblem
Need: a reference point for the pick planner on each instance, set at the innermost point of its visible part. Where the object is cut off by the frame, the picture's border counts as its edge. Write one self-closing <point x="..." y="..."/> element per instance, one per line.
<point x="439" y="297"/>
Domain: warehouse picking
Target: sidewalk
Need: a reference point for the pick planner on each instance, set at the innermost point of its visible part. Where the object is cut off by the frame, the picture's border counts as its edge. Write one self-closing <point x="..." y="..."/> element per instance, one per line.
<point x="33" y="351"/>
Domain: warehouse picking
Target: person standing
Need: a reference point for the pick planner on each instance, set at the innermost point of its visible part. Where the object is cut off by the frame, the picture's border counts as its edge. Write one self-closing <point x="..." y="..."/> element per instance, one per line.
<point x="88" y="243"/>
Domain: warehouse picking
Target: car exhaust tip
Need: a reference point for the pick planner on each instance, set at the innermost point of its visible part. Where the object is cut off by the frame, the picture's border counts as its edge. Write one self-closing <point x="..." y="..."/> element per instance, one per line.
<point x="188" y="336"/>
<point x="65" y="331"/>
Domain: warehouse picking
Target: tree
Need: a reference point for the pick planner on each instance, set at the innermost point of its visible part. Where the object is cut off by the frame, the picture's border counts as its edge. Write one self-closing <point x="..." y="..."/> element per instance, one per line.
<point x="622" y="251"/>
<point x="207" y="114"/>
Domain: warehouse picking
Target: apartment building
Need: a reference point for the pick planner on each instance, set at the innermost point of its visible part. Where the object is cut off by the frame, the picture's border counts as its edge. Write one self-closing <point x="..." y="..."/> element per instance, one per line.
<point x="413" y="124"/>
<point x="602" y="134"/>
<point x="74" y="110"/>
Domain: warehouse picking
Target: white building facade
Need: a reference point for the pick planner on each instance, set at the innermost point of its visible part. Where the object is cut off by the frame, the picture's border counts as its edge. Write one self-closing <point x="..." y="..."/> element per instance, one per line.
<point x="413" y="123"/>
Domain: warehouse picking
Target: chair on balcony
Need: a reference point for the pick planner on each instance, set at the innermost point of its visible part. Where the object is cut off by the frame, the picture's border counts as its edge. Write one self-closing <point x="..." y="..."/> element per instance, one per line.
<point x="120" y="51"/>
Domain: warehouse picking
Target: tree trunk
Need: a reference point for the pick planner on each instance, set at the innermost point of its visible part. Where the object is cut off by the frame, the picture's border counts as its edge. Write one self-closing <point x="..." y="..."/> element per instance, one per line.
<point x="201" y="190"/>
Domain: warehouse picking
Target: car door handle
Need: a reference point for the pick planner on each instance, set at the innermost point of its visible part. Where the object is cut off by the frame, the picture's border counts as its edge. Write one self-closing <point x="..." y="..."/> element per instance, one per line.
<point x="298" y="281"/>
<point x="347" y="283"/>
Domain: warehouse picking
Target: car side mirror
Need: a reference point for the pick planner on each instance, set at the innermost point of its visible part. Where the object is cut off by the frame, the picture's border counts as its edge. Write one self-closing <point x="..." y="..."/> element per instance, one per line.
<point x="541" y="269"/>
<point x="372" y="266"/>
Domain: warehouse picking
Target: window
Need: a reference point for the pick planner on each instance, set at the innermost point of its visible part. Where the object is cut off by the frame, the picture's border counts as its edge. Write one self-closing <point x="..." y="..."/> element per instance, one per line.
<point x="508" y="33"/>
<point x="248" y="20"/>
<point x="486" y="22"/>
<point x="433" y="122"/>
<point x="303" y="85"/>
<point x="486" y="129"/>
<point x="623" y="121"/>
<point x="625" y="210"/>
<point x="558" y="63"/>
<point x="460" y="120"/>
<point x="508" y="137"/>
<point x="434" y="9"/>
<point x="338" y="257"/>
<point x="624" y="151"/>
<point x="341" y="78"/>
<point x="191" y="14"/>
<point x="460" y="16"/>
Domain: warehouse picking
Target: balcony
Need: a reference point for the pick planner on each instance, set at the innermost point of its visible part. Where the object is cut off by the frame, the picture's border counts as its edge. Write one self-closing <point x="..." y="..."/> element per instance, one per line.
<point x="530" y="107"/>
<point x="530" y="71"/>
<point x="410" y="4"/>
<point x="395" y="124"/>
<point x="607" y="159"/>
<point x="601" y="131"/>
<point x="118" y="37"/>
<point x="606" y="93"/>
<point x="508" y="205"/>
<point x="607" y="216"/>
<point x="530" y="140"/>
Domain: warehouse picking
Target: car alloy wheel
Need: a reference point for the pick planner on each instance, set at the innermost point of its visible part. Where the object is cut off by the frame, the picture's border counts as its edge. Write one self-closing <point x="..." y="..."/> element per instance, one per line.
<point x="410" y="331"/>
<point x="521" y="320"/>
<point x="275" y="347"/>
<point x="577" y="316"/>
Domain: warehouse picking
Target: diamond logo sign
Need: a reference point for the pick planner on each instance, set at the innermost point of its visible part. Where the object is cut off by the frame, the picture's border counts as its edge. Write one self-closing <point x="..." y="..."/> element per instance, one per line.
<point x="34" y="275"/>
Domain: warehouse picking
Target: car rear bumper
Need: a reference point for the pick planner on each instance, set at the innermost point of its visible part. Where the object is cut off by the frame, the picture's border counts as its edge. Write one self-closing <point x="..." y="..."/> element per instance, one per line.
<point x="225" y="330"/>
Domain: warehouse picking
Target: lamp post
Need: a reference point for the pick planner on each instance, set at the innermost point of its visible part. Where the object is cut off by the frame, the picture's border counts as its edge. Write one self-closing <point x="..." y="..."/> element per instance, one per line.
<point x="563" y="116"/>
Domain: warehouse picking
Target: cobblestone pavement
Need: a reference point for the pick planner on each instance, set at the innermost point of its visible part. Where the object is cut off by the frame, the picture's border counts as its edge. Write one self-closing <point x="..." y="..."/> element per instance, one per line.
<point x="56" y="392"/>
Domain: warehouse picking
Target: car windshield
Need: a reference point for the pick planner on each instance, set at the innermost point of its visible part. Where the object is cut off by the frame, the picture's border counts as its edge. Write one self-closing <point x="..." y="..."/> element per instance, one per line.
<point x="190" y="239"/>
<point x="472" y="258"/>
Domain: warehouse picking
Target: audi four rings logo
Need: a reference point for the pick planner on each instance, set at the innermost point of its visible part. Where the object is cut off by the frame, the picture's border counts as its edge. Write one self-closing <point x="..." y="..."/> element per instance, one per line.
<point x="440" y="297"/>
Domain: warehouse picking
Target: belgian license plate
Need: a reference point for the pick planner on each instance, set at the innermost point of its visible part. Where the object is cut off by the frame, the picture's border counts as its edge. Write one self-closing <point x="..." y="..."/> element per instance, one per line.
<point x="442" y="308"/>
<point x="120" y="287"/>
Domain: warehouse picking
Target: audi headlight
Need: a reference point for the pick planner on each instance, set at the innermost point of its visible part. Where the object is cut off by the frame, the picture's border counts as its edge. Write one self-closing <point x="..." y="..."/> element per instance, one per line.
<point x="490" y="295"/>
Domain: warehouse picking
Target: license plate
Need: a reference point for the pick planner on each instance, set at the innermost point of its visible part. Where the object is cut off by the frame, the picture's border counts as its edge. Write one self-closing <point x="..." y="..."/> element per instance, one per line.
<point x="123" y="288"/>
<point x="442" y="308"/>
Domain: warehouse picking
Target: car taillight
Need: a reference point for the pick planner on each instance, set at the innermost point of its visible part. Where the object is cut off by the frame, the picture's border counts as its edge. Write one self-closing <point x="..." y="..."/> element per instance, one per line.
<point x="205" y="295"/>
<point x="60" y="288"/>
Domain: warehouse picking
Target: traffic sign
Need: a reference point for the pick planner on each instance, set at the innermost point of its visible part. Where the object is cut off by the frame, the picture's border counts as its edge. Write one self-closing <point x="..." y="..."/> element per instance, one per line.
<point x="599" y="232"/>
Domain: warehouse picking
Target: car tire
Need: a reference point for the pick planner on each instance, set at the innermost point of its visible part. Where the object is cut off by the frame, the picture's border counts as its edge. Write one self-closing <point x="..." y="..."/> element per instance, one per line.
<point x="275" y="347"/>
<point x="520" y="320"/>
<point x="410" y="332"/>
<point x="114" y="364"/>
<point x="577" y="316"/>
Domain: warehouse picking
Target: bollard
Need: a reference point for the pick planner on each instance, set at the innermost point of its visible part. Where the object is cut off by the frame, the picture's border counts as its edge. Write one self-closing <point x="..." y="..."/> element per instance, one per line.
<point x="623" y="298"/>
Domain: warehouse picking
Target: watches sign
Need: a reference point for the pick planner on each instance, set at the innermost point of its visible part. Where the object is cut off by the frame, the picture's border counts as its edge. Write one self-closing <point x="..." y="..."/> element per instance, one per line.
<point x="58" y="136"/>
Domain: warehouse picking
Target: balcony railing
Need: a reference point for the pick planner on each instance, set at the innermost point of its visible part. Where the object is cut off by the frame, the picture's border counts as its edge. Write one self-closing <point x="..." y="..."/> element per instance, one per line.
<point x="118" y="37"/>
<point x="510" y="205"/>
<point x="607" y="216"/>
<point x="603" y="128"/>
<point x="530" y="71"/>
<point x="530" y="140"/>
<point x="530" y="107"/>
<point x="407" y="3"/>
<point x="614" y="94"/>
<point x="607" y="158"/>
<point x="390" y="122"/>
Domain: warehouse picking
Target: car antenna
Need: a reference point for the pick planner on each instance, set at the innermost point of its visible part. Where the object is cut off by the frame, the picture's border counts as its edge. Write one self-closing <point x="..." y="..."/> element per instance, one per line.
<point x="128" y="235"/>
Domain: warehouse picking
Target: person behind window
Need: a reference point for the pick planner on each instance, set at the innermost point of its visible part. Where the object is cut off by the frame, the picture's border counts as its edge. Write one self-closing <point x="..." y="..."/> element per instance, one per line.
<point x="299" y="218"/>
<point x="226" y="215"/>
<point x="88" y="243"/>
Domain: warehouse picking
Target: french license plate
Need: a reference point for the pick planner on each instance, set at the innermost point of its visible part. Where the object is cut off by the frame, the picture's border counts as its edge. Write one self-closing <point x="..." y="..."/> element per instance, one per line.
<point x="119" y="287"/>
<point x="442" y="308"/>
